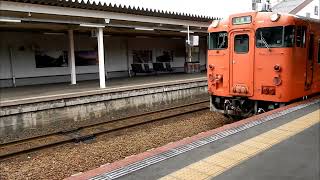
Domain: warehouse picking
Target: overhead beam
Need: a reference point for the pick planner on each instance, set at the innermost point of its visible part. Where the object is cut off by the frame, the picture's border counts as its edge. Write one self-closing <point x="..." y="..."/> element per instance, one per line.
<point x="88" y="24"/>
<point x="66" y="11"/>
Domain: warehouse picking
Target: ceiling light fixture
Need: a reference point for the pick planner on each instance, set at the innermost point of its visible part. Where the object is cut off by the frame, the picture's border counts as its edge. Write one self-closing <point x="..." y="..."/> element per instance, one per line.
<point x="191" y="32"/>
<point x="93" y="25"/>
<point x="11" y="20"/>
<point x="53" y="33"/>
<point x="143" y="29"/>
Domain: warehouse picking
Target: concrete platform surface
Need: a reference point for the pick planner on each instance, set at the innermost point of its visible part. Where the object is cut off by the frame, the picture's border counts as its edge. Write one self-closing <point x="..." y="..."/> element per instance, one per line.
<point x="282" y="144"/>
<point x="11" y="96"/>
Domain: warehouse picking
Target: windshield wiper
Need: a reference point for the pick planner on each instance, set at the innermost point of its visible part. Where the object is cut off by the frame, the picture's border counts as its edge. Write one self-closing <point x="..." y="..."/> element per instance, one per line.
<point x="223" y="42"/>
<point x="264" y="42"/>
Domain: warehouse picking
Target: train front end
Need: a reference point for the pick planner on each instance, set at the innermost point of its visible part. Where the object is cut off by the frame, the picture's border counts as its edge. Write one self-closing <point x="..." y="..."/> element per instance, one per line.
<point x="245" y="70"/>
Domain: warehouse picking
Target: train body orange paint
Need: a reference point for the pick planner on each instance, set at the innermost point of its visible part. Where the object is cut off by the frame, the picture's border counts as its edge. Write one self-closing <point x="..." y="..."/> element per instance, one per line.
<point x="260" y="60"/>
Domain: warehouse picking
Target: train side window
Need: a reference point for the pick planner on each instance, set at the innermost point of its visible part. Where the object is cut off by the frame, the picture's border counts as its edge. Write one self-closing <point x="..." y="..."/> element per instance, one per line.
<point x="241" y="43"/>
<point x="319" y="51"/>
<point x="289" y="39"/>
<point x="298" y="39"/>
<point x="304" y="36"/>
<point x="311" y="47"/>
<point x="301" y="36"/>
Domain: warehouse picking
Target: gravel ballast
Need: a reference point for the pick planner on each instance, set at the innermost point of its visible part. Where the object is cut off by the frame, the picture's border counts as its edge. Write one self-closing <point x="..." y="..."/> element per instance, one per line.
<point x="63" y="161"/>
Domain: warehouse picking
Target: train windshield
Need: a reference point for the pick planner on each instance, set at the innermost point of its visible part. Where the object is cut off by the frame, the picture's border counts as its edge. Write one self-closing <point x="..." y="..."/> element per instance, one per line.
<point x="218" y="40"/>
<point x="275" y="37"/>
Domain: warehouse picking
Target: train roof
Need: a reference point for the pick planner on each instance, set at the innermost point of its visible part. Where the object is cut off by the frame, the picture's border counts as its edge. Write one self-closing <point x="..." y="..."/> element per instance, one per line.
<point x="224" y="24"/>
<point x="309" y="19"/>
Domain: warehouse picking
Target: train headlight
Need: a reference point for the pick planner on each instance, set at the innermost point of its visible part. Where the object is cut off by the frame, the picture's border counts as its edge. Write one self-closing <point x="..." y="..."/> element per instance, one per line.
<point x="275" y="17"/>
<point x="211" y="66"/>
<point x="215" y="23"/>
<point x="277" y="81"/>
<point x="277" y="68"/>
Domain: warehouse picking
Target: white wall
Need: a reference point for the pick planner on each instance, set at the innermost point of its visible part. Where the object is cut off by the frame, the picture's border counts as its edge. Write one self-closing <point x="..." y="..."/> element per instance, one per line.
<point x="158" y="45"/>
<point x="116" y="53"/>
<point x="310" y="8"/>
<point x="4" y="59"/>
<point x="24" y="44"/>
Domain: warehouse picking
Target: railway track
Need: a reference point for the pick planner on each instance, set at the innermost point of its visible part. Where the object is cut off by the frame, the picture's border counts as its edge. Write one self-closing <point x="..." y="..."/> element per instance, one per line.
<point x="22" y="146"/>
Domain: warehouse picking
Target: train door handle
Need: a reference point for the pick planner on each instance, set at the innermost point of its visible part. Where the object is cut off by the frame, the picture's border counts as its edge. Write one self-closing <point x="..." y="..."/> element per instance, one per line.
<point x="233" y="62"/>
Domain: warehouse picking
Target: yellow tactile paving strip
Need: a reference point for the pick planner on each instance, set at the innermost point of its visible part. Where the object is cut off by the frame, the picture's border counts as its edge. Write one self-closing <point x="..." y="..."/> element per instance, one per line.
<point x="220" y="162"/>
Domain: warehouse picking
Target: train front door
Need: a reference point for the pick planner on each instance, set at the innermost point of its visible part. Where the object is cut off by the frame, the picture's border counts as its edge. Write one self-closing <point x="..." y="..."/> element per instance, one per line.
<point x="241" y="63"/>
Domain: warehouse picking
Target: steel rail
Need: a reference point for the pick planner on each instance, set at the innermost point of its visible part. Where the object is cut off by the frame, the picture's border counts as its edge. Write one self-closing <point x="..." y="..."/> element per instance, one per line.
<point x="32" y="144"/>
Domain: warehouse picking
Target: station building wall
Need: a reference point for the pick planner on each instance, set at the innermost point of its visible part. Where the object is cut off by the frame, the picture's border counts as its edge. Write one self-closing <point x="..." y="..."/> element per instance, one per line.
<point x="312" y="9"/>
<point x="21" y="46"/>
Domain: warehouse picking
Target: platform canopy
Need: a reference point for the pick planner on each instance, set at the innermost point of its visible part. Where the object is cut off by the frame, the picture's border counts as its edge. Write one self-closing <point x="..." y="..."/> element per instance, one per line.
<point x="96" y="19"/>
<point x="80" y="14"/>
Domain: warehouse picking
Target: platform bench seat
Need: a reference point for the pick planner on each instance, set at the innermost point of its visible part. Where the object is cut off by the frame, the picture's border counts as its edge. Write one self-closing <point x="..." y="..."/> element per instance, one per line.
<point x="141" y="68"/>
<point x="157" y="67"/>
<point x="162" y="67"/>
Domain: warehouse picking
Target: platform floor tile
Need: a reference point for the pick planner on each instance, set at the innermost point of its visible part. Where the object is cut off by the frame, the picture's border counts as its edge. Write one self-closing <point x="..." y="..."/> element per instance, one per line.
<point x="168" y="178"/>
<point x="206" y="168"/>
<point x="235" y="155"/>
<point x="189" y="174"/>
<point x="217" y="160"/>
<point x="249" y="150"/>
<point x="222" y="161"/>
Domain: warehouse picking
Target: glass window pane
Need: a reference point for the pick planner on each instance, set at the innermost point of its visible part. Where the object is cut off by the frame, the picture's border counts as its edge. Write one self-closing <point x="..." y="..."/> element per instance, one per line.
<point x="299" y="36"/>
<point x="142" y="56"/>
<point x="319" y="51"/>
<point x="304" y="36"/>
<point x="311" y="47"/>
<point x="289" y="36"/>
<point x="269" y="37"/>
<point x="218" y="40"/>
<point x="241" y="43"/>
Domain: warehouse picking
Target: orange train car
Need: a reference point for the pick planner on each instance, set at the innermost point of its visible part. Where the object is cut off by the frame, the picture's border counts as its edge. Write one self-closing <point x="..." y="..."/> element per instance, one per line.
<point x="259" y="61"/>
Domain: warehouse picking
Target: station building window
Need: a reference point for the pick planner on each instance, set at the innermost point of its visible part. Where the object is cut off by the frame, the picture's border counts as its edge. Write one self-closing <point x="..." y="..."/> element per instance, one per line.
<point x="47" y="59"/>
<point x="166" y="56"/>
<point x="56" y="58"/>
<point x="241" y="43"/>
<point x="86" y="58"/>
<point x="142" y="56"/>
<point x="218" y="40"/>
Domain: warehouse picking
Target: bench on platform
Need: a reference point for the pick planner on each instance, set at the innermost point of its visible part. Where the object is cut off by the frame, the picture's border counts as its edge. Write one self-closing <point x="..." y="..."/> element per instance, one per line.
<point x="162" y="67"/>
<point x="157" y="67"/>
<point x="141" y="68"/>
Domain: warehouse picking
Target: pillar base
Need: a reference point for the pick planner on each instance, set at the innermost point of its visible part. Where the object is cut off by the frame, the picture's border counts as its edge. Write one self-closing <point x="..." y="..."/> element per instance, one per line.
<point x="192" y="67"/>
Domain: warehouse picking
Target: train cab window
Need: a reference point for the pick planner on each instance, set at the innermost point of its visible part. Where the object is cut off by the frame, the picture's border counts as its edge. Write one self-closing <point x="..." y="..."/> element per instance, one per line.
<point x="275" y="37"/>
<point x="269" y="37"/>
<point x="301" y="36"/>
<point x="241" y="43"/>
<point x="218" y="40"/>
